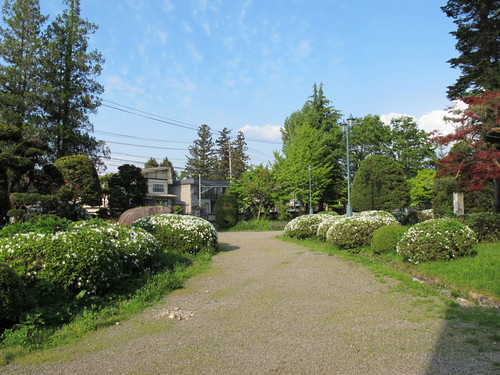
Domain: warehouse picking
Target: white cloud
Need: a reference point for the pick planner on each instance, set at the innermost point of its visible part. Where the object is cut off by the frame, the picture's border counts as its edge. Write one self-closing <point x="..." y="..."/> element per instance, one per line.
<point x="266" y="131"/>
<point x="430" y="121"/>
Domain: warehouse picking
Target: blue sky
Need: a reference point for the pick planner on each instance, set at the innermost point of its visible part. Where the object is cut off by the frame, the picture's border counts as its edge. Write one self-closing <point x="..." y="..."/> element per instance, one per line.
<point x="248" y="64"/>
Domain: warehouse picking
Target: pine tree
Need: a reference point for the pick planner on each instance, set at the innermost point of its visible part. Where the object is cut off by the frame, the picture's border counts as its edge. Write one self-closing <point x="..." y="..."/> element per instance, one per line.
<point x="239" y="156"/>
<point x="73" y="92"/>
<point x="20" y="53"/>
<point x="478" y="43"/>
<point x="167" y="163"/>
<point x="202" y="155"/>
<point x="151" y="163"/>
<point x="224" y="158"/>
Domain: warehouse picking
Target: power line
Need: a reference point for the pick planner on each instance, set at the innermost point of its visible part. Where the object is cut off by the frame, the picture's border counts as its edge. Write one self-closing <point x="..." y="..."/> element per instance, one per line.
<point x="145" y="146"/>
<point x="136" y="137"/>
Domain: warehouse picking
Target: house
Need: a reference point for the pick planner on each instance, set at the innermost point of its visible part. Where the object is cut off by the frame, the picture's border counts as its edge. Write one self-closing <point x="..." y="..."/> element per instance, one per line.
<point x="159" y="180"/>
<point x="187" y="194"/>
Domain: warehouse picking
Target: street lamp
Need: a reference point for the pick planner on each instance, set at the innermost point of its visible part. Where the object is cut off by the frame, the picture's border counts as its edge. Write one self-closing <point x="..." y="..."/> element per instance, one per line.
<point x="346" y="128"/>
<point x="310" y="192"/>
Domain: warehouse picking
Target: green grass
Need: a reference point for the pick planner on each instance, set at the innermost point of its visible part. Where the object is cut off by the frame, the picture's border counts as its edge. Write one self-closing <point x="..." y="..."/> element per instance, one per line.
<point x="29" y="337"/>
<point x="478" y="274"/>
<point x="257" y="226"/>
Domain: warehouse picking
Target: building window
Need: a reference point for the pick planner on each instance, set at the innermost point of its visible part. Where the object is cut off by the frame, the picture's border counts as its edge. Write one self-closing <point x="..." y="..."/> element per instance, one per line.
<point x="158" y="188"/>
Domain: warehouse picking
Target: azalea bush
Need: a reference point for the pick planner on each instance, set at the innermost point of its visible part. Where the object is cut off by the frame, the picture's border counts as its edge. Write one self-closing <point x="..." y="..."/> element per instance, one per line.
<point x="425" y="215"/>
<point x="486" y="225"/>
<point x="304" y="226"/>
<point x="355" y="231"/>
<point x="183" y="233"/>
<point x="327" y="222"/>
<point x="436" y="240"/>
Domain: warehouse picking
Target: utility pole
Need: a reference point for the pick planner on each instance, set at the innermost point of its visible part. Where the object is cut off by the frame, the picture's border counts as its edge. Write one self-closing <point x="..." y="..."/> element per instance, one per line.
<point x="230" y="164"/>
<point x="310" y="192"/>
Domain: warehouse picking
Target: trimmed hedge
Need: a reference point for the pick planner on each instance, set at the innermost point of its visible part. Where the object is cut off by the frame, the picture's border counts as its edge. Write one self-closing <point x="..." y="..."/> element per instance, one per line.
<point x="386" y="238"/>
<point x="437" y="239"/>
<point x="304" y="226"/>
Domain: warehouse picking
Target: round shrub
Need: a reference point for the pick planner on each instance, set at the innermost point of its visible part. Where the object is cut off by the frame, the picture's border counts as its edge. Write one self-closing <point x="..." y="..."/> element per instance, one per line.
<point x="12" y="296"/>
<point x="425" y="215"/>
<point x="327" y="222"/>
<point x="351" y="232"/>
<point x="386" y="238"/>
<point x="303" y="226"/>
<point x="183" y="233"/>
<point x="42" y="224"/>
<point x="138" y="249"/>
<point x="437" y="239"/>
<point x="486" y="225"/>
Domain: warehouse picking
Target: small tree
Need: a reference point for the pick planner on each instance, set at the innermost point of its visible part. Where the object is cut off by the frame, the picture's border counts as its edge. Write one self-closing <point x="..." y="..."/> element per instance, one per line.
<point x="127" y="189"/>
<point x="379" y="184"/>
<point x="421" y="188"/>
<point x="226" y="211"/>
<point x="151" y="163"/>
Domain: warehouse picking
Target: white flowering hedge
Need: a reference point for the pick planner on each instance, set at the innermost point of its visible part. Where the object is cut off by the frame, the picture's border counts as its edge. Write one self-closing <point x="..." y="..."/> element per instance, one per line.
<point x="325" y="225"/>
<point x="304" y="226"/>
<point x="355" y="231"/>
<point x="437" y="239"/>
<point x="184" y="233"/>
<point x="91" y="256"/>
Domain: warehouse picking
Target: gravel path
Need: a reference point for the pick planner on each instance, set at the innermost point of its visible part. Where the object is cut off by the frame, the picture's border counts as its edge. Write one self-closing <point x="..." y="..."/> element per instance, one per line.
<point x="269" y="307"/>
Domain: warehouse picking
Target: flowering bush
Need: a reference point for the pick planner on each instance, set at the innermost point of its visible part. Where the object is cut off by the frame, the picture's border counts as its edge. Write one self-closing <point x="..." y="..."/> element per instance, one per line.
<point x="437" y="239"/>
<point x="83" y="259"/>
<point x="139" y="250"/>
<point x="486" y="225"/>
<point x="183" y="233"/>
<point x="327" y="222"/>
<point x="425" y="215"/>
<point x="304" y="226"/>
<point x="351" y="232"/>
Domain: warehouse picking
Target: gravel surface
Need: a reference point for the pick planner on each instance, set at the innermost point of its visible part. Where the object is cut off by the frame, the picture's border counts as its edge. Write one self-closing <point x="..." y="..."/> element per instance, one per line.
<point x="270" y="307"/>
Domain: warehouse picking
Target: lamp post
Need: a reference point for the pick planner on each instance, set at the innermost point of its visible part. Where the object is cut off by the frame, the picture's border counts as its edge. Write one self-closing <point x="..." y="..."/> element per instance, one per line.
<point x="310" y="192"/>
<point x="346" y="128"/>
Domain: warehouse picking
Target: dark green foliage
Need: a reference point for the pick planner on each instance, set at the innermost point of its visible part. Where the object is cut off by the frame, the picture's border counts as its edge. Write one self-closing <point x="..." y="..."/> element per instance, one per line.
<point x="12" y="296"/>
<point x="437" y="240"/>
<point x="226" y="211"/>
<point x="202" y="159"/>
<point x="44" y="224"/>
<point x="379" y="184"/>
<point x="477" y="43"/>
<point x="127" y="189"/>
<point x="486" y="225"/>
<point x="386" y="238"/>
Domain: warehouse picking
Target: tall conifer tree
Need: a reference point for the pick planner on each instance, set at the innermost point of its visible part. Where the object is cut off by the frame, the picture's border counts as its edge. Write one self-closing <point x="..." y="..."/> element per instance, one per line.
<point x="202" y="155"/>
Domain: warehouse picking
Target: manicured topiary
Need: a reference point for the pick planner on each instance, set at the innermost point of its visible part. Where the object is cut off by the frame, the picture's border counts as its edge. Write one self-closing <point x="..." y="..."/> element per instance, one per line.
<point x="355" y="231"/>
<point x="486" y="225"/>
<point x="327" y="222"/>
<point x="183" y="233"/>
<point x="437" y="239"/>
<point x="12" y="296"/>
<point x="386" y="238"/>
<point x="303" y="226"/>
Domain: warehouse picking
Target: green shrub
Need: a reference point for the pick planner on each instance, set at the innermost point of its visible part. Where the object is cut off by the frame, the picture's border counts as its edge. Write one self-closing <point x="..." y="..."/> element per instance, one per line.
<point x="226" y="211"/>
<point x="183" y="233"/>
<point x="303" y="226"/>
<point x="437" y="239"/>
<point x="486" y="225"/>
<point x="355" y="231"/>
<point x="12" y="296"/>
<point x="45" y="224"/>
<point x="400" y="217"/>
<point x="425" y="215"/>
<point x="386" y="238"/>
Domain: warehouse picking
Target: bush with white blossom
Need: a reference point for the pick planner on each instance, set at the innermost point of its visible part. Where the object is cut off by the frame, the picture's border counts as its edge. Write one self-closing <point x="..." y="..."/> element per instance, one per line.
<point x="355" y="231"/>
<point x="437" y="239"/>
<point x="304" y="226"/>
<point x="183" y="233"/>
<point x="327" y="222"/>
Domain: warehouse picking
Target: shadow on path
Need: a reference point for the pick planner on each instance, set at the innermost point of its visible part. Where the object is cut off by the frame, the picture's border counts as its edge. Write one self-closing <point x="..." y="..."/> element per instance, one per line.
<point x="226" y="247"/>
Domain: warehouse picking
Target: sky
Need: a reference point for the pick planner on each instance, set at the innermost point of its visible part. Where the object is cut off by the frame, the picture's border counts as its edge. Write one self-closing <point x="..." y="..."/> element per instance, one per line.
<point x="172" y="65"/>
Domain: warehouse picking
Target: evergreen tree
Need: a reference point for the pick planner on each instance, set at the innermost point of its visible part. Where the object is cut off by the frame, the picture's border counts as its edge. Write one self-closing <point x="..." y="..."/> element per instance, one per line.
<point x="167" y="163"/>
<point x="239" y="156"/>
<point x="20" y="52"/>
<point x="127" y="189"/>
<point x="224" y="170"/>
<point x="151" y="163"/>
<point x="73" y="91"/>
<point x="478" y="43"/>
<point x="202" y="157"/>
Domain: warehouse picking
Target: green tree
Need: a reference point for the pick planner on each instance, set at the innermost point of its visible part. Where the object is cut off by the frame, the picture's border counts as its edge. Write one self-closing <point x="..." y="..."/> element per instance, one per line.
<point x="478" y="44"/>
<point x="151" y="163"/>
<point x="411" y="146"/>
<point x="21" y="47"/>
<point x="255" y="190"/>
<point x="223" y="169"/>
<point x="226" y="211"/>
<point x="379" y="184"/>
<point x="167" y="163"/>
<point x="73" y="92"/>
<point x="127" y="189"/>
<point x="202" y="157"/>
<point x="80" y="179"/>
<point x="421" y="188"/>
<point x="239" y="156"/>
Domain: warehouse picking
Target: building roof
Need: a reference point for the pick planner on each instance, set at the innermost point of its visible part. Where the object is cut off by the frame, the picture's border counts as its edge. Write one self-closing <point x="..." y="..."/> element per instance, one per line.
<point x="195" y="181"/>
